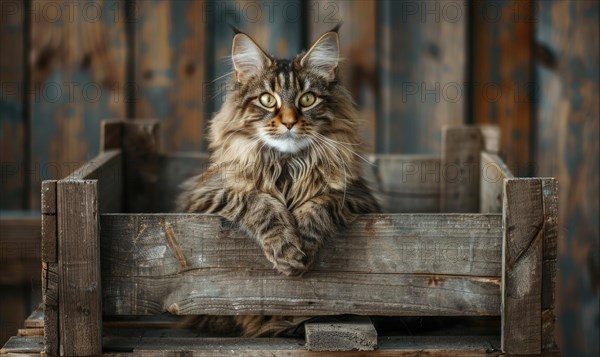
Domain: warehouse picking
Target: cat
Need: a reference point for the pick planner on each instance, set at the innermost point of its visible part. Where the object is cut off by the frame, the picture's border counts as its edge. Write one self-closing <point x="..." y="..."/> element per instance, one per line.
<point x="285" y="161"/>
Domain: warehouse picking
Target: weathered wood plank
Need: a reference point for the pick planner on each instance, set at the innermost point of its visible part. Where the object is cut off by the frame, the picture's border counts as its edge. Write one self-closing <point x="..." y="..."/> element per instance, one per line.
<point x="49" y="224"/>
<point x="355" y="333"/>
<point x="13" y="120"/>
<point x="523" y="219"/>
<point x="388" y="346"/>
<point x="50" y="293"/>
<point x="493" y="173"/>
<point x="107" y="168"/>
<point x="501" y="92"/>
<point x="170" y="69"/>
<point x="36" y="318"/>
<point x="461" y="155"/>
<point x="31" y="331"/>
<point x="142" y="148"/>
<point x="23" y="344"/>
<point x="220" y="270"/>
<point x="77" y="65"/>
<point x="549" y="265"/>
<point x="79" y="268"/>
<point x="176" y="169"/>
<point x="405" y="183"/>
<point x="421" y="57"/>
<point x="457" y="244"/>
<point x="567" y="147"/>
<point x="491" y="137"/>
<point x="111" y="134"/>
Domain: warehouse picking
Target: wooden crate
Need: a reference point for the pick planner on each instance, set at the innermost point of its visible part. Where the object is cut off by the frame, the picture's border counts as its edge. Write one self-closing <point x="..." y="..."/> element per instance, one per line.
<point x="471" y="240"/>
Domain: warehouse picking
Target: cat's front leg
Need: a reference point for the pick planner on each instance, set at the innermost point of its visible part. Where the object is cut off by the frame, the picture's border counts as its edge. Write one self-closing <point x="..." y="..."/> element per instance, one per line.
<point x="269" y="221"/>
<point x="320" y="218"/>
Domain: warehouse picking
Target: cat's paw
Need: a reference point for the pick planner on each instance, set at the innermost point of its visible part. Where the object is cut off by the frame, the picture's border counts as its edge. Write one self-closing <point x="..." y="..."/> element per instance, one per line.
<point x="286" y="255"/>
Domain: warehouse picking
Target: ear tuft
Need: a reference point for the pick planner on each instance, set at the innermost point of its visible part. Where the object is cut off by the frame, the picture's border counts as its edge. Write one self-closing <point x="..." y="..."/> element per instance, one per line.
<point x="324" y="55"/>
<point x="248" y="58"/>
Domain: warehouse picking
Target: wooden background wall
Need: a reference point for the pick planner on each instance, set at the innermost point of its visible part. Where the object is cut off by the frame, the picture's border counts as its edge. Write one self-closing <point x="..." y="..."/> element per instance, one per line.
<point x="530" y="67"/>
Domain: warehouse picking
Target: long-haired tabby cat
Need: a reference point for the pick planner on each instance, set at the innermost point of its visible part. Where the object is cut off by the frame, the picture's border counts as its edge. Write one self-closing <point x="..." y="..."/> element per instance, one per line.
<point x="285" y="161"/>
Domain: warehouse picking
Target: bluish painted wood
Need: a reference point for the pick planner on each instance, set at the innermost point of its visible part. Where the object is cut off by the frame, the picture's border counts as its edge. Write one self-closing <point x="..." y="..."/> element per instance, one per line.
<point x="78" y="78"/>
<point x="567" y="148"/>
<point x="170" y="69"/>
<point x="421" y="59"/>
<point x="12" y="119"/>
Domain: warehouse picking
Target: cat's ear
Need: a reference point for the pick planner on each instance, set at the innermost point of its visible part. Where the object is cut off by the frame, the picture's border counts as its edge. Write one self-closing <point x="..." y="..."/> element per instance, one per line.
<point x="248" y="58"/>
<point x="324" y="55"/>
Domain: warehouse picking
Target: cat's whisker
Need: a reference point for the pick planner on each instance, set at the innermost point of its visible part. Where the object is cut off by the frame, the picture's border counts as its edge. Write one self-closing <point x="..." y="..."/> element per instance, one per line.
<point x="345" y="147"/>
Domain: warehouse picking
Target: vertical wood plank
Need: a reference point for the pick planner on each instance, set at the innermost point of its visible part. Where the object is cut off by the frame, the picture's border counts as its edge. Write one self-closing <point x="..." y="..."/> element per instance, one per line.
<point x="170" y="69"/>
<point x="142" y="147"/>
<point x="12" y="116"/>
<point x="77" y="65"/>
<point x="111" y="134"/>
<point x="493" y="173"/>
<point x="550" y="192"/>
<point x="501" y="75"/>
<point x="49" y="224"/>
<point x="50" y="276"/>
<point x="460" y="169"/>
<point x="358" y="52"/>
<point x="422" y="73"/>
<point x="568" y="148"/>
<point x="79" y="268"/>
<point x="522" y="253"/>
<point x="50" y="293"/>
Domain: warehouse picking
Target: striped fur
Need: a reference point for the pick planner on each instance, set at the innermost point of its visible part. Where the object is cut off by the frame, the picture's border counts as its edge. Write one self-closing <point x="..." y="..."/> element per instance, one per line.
<point x="289" y="175"/>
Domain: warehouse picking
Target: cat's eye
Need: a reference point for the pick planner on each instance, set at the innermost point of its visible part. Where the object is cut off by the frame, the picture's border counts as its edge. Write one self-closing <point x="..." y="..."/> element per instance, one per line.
<point x="307" y="99"/>
<point x="267" y="100"/>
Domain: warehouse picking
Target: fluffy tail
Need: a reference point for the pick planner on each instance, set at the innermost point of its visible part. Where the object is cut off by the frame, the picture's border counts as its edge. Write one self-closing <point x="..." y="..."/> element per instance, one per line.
<point x="245" y="326"/>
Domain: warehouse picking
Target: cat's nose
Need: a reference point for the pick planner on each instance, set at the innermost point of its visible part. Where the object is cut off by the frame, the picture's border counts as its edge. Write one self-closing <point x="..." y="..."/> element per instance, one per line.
<point x="288" y="117"/>
<point x="289" y="124"/>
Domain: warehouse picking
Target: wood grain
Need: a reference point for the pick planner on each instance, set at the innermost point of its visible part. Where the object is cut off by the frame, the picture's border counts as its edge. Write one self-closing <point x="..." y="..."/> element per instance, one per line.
<point x="50" y="290"/>
<point x="388" y="346"/>
<point x="461" y="169"/>
<point x="107" y="168"/>
<point x="49" y="223"/>
<point x="405" y="183"/>
<point x="402" y="271"/>
<point x="549" y="264"/>
<point x="80" y="308"/>
<point x="567" y="147"/>
<point x="77" y="65"/>
<point x="502" y="77"/>
<point x="493" y="173"/>
<point x="523" y="219"/>
<point x="421" y="59"/>
<point x="170" y="69"/>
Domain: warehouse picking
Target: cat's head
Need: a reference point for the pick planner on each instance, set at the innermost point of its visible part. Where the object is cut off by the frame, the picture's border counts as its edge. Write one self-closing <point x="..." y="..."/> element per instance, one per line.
<point x="285" y="105"/>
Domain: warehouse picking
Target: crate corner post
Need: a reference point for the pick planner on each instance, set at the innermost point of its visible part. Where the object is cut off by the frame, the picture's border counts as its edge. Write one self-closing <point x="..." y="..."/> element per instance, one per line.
<point x="80" y="295"/>
<point x="523" y="225"/>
